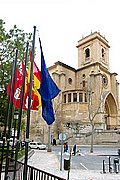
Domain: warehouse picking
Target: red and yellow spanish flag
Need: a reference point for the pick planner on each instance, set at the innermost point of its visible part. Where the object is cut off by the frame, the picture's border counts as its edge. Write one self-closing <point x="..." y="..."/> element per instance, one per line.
<point x="35" y="98"/>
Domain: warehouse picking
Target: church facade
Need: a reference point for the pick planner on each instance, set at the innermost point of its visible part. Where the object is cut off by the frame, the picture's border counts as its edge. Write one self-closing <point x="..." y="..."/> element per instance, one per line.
<point x="89" y="94"/>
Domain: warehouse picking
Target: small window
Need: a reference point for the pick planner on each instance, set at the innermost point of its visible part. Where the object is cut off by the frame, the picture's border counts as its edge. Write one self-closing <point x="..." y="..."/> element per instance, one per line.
<point x="103" y="53"/>
<point x="83" y="76"/>
<point x="70" y="81"/>
<point x="68" y="124"/>
<point x="85" y="97"/>
<point x="64" y="98"/>
<point x="69" y="97"/>
<point x="87" y="53"/>
<point x="74" y="97"/>
<point x="104" y="80"/>
<point x="80" y="97"/>
<point x="83" y="83"/>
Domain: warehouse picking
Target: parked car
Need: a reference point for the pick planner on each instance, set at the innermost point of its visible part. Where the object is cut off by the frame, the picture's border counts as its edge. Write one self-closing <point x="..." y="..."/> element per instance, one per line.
<point x="13" y="140"/>
<point x="1" y="144"/>
<point x="22" y="143"/>
<point x="37" y="145"/>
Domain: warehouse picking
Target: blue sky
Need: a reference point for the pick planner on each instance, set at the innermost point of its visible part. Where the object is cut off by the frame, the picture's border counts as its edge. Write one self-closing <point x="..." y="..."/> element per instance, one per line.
<point x="61" y="23"/>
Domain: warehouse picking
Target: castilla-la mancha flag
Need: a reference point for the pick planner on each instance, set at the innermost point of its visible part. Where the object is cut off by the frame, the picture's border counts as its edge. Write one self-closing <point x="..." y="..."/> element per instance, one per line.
<point x="17" y="86"/>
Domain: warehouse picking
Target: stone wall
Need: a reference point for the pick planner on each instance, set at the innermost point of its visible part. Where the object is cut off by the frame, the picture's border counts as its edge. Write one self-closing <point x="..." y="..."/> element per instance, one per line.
<point x="105" y="138"/>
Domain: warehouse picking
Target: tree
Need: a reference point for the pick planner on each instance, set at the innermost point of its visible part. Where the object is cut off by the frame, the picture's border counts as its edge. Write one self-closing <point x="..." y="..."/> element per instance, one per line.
<point x="9" y="41"/>
<point x="93" y="111"/>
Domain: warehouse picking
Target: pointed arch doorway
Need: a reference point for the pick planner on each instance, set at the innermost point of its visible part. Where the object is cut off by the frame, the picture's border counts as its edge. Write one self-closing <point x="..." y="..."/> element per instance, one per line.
<point x="111" y="112"/>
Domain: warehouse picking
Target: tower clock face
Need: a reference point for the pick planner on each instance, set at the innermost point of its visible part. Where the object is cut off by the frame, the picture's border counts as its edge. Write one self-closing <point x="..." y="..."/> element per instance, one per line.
<point x="104" y="80"/>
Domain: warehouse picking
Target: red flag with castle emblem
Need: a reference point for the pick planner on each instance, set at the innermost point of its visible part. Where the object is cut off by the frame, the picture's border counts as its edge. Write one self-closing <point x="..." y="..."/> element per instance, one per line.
<point x="17" y="88"/>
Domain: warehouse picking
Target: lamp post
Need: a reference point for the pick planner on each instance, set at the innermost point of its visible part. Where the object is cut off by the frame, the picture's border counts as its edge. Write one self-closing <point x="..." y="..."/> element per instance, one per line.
<point x="16" y="116"/>
<point x="49" y="140"/>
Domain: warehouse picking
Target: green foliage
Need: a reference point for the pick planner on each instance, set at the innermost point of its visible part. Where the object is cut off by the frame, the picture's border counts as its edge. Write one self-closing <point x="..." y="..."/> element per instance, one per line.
<point x="9" y="41"/>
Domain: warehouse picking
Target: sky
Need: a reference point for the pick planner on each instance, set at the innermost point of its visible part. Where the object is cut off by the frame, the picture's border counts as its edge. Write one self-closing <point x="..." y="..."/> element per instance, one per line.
<point x="62" y="23"/>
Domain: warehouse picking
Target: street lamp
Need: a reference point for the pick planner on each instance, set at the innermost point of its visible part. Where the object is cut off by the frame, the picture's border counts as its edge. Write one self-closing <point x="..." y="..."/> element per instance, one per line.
<point x="16" y="115"/>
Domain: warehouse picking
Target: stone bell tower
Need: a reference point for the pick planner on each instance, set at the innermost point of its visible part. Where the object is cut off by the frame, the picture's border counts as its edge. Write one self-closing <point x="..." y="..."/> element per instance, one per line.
<point x="92" y="49"/>
<point x="93" y="63"/>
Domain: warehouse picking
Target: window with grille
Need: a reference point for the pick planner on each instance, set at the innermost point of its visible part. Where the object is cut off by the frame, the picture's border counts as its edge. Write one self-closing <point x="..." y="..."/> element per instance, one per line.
<point x="85" y="97"/>
<point x="69" y="97"/>
<point x="74" y="97"/>
<point x="80" y="97"/>
<point x="64" y="100"/>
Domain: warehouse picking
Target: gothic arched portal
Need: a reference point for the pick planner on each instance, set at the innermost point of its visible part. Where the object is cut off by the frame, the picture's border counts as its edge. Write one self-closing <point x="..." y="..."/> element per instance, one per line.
<point x="111" y="112"/>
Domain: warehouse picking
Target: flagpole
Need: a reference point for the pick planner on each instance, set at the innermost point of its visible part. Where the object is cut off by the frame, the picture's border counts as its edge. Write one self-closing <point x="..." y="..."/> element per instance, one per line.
<point x="6" y="121"/>
<point x="29" y="106"/>
<point x="48" y="90"/>
<point x="20" y="112"/>
<point x="10" y="114"/>
<point x="49" y="139"/>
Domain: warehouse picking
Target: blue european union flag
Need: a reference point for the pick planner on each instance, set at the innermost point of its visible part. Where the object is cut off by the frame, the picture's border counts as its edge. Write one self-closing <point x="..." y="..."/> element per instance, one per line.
<point x="48" y="90"/>
<point x="48" y="112"/>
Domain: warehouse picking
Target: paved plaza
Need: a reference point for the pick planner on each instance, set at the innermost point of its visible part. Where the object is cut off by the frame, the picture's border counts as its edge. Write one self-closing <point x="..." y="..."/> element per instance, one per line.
<point x="48" y="162"/>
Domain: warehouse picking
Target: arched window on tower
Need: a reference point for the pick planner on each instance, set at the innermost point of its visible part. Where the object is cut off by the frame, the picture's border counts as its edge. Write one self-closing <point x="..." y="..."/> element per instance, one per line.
<point x="87" y="54"/>
<point x="103" y="53"/>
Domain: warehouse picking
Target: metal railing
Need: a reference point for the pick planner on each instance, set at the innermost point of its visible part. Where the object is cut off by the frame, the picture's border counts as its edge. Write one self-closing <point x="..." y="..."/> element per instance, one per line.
<point x="32" y="172"/>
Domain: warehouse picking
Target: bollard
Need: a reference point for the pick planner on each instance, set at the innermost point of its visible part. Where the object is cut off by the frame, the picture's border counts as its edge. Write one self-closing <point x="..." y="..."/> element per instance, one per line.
<point x="116" y="165"/>
<point x="104" y="166"/>
<point x="110" y="169"/>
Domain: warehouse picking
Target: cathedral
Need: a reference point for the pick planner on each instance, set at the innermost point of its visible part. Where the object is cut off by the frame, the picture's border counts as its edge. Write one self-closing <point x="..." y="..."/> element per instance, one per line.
<point x="90" y="94"/>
